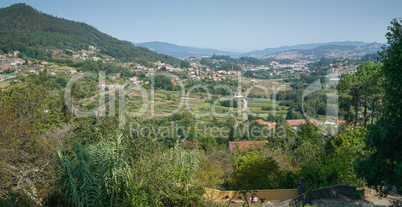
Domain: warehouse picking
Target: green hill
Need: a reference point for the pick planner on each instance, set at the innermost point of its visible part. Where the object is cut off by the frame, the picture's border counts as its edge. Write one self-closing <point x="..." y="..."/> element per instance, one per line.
<point x="25" y="29"/>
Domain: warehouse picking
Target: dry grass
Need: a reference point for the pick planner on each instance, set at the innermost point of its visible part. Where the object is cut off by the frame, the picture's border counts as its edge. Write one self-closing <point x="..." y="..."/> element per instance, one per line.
<point x="4" y="84"/>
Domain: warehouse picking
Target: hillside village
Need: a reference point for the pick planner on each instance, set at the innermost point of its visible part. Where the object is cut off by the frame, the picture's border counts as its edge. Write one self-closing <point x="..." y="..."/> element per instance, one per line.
<point x="87" y="119"/>
<point x="14" y="66"/>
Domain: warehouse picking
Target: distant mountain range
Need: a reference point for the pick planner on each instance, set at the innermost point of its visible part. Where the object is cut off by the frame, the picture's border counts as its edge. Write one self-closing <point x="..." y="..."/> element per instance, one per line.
<point x="302" y="51"/>
<point x="183" y="51"/>
<point x="32" y="32"/>
<point x="328" y="51"/>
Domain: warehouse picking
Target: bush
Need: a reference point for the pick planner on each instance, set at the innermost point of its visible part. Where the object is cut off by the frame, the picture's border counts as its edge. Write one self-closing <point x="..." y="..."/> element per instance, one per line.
<point x="255" y="172"/>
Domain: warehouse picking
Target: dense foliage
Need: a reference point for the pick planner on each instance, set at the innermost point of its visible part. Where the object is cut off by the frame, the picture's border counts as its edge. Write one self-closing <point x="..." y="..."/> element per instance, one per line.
<point x="384" y="166"/>
<point x="52" y="157"/>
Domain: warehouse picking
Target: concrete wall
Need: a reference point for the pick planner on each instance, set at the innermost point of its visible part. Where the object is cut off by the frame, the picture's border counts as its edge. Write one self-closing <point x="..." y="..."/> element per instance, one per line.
<point x="298" y="201"/>
<point x="337" y="191"/>
<point x="268" y="195"/>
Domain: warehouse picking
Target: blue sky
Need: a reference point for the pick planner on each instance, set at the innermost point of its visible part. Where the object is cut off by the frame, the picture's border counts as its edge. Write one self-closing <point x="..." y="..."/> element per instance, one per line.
<point x="230" y="24"/>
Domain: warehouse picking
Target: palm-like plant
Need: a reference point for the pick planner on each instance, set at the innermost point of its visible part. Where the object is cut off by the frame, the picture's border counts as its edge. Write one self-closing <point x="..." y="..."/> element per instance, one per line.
<point x="186" y="164"/>
<point x="96" y="175"/>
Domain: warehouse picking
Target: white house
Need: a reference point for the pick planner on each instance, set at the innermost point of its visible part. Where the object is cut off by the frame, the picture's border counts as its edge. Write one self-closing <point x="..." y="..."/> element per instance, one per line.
<point x="102" y="85"/>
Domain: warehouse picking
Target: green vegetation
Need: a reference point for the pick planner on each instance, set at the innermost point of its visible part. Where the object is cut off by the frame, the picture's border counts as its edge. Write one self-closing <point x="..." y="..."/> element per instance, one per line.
<point x="363" y="88"/>
<point x="33" y="30"/>
<point x="384" y="165"/>
<point x="255" y="172"/>
<point x="57" y="158"/>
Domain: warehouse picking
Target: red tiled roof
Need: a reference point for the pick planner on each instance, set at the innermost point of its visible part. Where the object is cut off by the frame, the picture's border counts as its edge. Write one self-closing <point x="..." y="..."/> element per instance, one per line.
<point x="297" y="122"/>
<point x="341" y="122"/>
<point x="260" y="121"/>
<point x="6" y="66"/>
<point x="246" y="144"/>
<point x="271" y="125"/>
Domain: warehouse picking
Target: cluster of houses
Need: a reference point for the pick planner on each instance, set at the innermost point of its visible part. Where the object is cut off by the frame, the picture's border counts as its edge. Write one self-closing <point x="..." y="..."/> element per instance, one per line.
<point x="210" y="74"/>
<point x="224" y="72"/>
<point x="194" y="71"/>
<point x="269" y="124"/>
<point x="85" y="54"/>
<point x="135" y="80"/>
<point x="11" y="63"/>
<point x="300" y="65"/>
<point x="294" y="123"/>
<point x="104" y="85"/>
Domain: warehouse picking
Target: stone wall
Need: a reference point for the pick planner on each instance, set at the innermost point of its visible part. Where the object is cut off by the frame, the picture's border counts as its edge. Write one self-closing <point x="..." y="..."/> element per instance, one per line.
<point x="268" y="195"/>
<point x="337" y="191"/>
<point x="367" y="192"/>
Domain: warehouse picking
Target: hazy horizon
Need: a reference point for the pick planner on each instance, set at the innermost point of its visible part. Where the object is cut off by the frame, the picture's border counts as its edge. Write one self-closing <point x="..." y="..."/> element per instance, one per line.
<point x="256" y="49"/>
<point x="235" y="26"/>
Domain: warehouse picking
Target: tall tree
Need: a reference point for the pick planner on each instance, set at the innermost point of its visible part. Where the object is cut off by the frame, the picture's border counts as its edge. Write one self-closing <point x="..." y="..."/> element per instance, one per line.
<point x="362" y="88"/>
<point x="370" y="80"/>
<point x="385" y="137"/>
<point x="349" y="88"/>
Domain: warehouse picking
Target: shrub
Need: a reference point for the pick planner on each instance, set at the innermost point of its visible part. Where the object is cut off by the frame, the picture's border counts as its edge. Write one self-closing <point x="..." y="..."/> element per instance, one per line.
<point x="255" y="172"/>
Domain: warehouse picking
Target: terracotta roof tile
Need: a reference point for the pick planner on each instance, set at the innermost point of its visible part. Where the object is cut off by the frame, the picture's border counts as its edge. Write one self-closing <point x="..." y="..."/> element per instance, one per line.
<point x="240" y="145"/>
<point x="260" y="121"/>
<point x="297" y="122"/>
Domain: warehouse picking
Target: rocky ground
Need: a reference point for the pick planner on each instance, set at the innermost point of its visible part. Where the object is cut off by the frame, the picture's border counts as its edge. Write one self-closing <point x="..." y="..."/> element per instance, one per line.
<point x="369" y="201"/>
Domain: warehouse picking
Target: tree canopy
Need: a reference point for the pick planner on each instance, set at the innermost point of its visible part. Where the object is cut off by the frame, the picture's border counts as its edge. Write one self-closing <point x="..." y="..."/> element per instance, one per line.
<point x="385" y="137"/>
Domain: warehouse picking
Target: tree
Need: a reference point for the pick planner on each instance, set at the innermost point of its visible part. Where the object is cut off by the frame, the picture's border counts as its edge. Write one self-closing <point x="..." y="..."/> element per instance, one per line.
<point x="307" y="132"/>
<point x="385" y="137"/>
<point x="362" y="88"/>
<point x="347" y="148"/>
<point x="184" y="64"/>
<point x="349" y="89"/>
<point x="230" y="66"/>
<point x="370" y="84"/>
<point x="255" y="172"/>
<point x="292" y="114"/>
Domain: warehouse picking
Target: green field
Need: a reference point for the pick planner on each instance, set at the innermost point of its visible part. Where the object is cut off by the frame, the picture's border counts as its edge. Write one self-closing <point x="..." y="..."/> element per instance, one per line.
<point x="168" y="102"/>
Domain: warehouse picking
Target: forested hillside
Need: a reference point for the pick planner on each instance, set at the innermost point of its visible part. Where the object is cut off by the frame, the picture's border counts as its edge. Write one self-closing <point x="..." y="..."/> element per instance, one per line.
<point x="25" y="29"/>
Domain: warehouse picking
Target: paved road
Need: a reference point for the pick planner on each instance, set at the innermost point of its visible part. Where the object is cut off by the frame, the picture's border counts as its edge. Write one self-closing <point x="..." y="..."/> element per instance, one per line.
<point x="245" y="117"/>
<point x="96" y="95"/>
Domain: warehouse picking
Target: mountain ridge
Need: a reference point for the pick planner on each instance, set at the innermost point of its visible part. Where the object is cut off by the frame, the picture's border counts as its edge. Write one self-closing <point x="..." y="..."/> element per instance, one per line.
<point x="182" y="51"/>
<point x="188" y="51"/>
